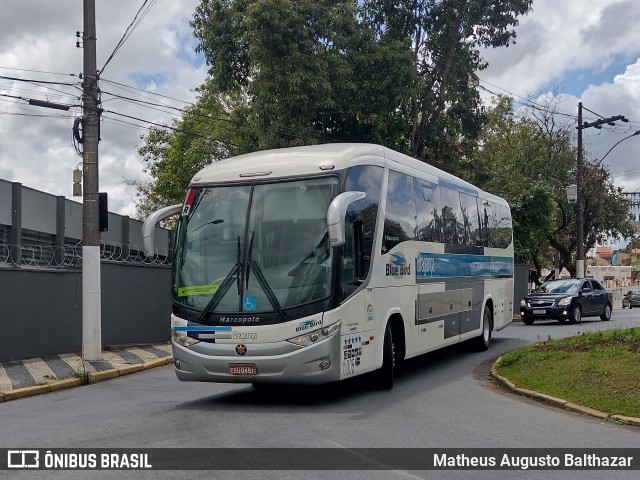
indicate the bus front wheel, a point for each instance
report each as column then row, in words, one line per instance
column 384, row 376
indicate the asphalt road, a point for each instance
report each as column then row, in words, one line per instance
column 441, row 400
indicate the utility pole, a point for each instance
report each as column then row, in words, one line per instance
column 91, row 291
column 580, row 187
column 580, row 202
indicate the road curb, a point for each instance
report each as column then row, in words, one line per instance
column 557, row 402
column 90, row 377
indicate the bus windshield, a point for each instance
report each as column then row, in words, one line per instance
column 254, row 248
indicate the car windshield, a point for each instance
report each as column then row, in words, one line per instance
column 559, row 286
column 258, row 248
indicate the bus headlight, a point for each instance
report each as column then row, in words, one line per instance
column 523, row 303
column 178, row 333
column 564, row 302
column 183, row 339
column 315, row 336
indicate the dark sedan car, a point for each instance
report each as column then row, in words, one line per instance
column 631, row 299
column 567, row 299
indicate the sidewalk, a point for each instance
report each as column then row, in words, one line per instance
column 24, row 378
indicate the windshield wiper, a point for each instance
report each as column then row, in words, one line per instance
column 273, row 300
column 251, row 265
column 224, row 287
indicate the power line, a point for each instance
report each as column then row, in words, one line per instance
column 37, row 82
column 130, row 29
column 226, row 144
column 38, row 71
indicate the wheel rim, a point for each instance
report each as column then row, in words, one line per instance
column 486, row 332
column 607, row 312
column 577, row 315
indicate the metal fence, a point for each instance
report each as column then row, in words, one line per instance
column 49, row 256
column 38, row 230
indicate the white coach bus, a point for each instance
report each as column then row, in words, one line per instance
column 315, row 264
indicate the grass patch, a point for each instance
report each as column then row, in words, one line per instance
column 600, row 370
column 84, row 375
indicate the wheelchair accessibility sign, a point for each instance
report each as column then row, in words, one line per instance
column 249, row 303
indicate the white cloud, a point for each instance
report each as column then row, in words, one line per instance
column 581, row 50
column 39, row 35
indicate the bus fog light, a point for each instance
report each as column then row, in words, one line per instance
column 314, row 336
column 325, row 364
column 177, row 364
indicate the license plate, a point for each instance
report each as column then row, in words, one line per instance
column 539, row 312
column 243, row 369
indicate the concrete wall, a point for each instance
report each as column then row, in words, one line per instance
column 520, row 286
column 41, row 310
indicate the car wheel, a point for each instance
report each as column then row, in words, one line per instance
column 528, row 320
column 483, row 341
column 606, row 315
column 576, row 315
column 384, row 376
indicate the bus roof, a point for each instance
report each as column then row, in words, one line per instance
column 314, row 159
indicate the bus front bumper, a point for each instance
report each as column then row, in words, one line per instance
column 318, row 363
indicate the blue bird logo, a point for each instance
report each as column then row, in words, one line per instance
column 398, row 259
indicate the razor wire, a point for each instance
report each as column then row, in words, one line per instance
column 70, row 256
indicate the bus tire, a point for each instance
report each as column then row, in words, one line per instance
column 483, row 341
column 384, row 376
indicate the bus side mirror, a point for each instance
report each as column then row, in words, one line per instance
column 336, row 214
column 149, row 226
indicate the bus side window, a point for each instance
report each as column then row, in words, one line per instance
column 428, row 209
column 400, row 223
column 360, row 226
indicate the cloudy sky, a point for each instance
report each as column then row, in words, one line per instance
column 585, row 50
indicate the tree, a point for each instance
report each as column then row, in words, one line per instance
column 529, row 158
column 444, row 37
column 397, row 73
column 518, row 162
column 204, row 134
column 310, row 71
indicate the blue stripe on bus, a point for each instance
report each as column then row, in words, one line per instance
column 201, row 328
column 437, row 265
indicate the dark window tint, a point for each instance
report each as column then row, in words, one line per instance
column 452, row 224
column 470, row 221
column 400, row 218
column 496, row 224
column 361, row 223
column 429, row 215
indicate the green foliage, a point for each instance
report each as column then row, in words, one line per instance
column 529, row 158
column 401, row 74
column 206, row 133
column 598, row 369
column 311, row 72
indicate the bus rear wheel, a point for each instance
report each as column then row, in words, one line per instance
column 384, row 376
column 483, row 341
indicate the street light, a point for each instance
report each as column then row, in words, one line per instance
column 620, row 141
